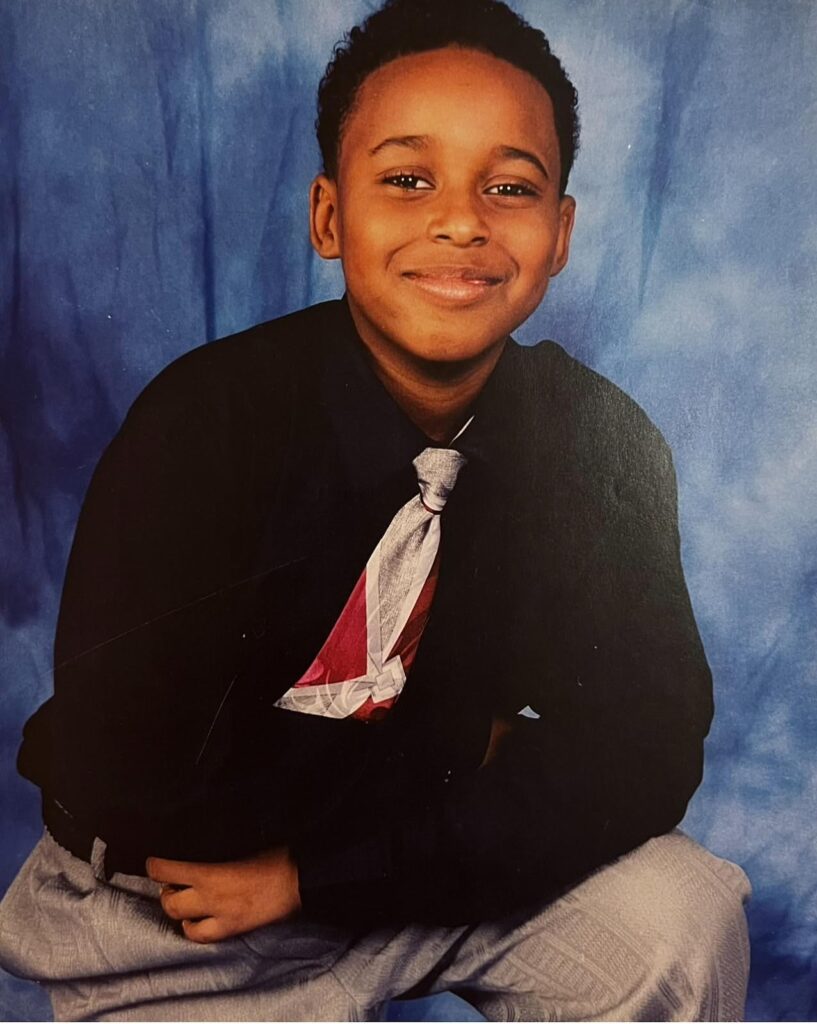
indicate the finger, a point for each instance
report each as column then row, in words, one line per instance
column 176, row 872
column 208, row 930
column 183, row 903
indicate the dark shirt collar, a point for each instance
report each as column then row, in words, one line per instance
column 377, row 439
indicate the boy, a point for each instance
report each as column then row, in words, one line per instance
column 374, row 645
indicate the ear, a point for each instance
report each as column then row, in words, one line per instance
column 323, row 217
column 567, row 216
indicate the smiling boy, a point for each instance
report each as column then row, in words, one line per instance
column 375, row 649
column 448, row 234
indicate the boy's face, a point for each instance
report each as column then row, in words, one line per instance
column 446, row 211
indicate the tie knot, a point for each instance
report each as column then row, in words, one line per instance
column 437, row 470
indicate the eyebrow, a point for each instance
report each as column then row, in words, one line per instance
column 514, row 153
column 411, row 141
column 421, row 142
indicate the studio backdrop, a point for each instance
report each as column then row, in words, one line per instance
column 155, row 157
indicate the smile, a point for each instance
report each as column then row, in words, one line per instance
column 453, row 284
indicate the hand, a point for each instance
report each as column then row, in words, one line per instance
column 216, row 901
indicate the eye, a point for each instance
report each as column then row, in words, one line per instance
column 408, row 182
column 509, row 188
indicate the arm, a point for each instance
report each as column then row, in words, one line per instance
column 155, row 600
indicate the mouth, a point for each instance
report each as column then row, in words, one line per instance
column 454, row 284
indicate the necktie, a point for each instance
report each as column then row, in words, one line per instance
column 362, row 666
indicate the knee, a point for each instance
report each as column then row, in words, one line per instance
column 688, row 892
column 689, row 904
column 658, row 935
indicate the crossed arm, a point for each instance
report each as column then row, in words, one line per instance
column 216, row 901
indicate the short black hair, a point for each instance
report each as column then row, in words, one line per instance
column 402, row 27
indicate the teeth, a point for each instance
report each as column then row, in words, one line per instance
column 452, row 287
column 454, row 275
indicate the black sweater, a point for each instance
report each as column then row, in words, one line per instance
column 222, row 533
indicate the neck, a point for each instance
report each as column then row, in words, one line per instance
column 436, row 396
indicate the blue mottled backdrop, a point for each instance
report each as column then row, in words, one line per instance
column 154, row 163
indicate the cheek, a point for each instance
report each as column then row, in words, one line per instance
column 376, row 236
column 530, row 241
column 535, row 245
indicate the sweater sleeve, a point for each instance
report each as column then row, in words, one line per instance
column 150, row 626
column 611, row 762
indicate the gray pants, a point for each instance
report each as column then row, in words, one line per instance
column 658, row 935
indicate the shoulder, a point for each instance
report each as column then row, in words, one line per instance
column 597, row 435
column 252, row 370
column 227, row 405
column 590, row 409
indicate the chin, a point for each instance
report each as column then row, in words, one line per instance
column 455, row 336
column 460, row 339
column 447, row 348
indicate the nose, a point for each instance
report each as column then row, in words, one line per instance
column 457, row 218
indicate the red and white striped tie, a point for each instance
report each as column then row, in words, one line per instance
column 362, row 667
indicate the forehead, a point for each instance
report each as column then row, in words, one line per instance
column 458, row 97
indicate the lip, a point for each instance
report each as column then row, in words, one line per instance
column 454, row 284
